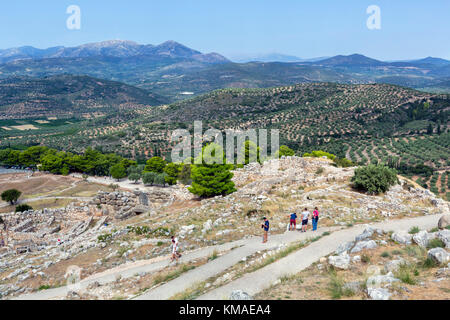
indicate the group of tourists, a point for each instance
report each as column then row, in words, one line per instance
column 305, row 216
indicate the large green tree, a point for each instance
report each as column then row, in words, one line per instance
column 173, row 171
column 209, row 176
column 11, row 196
column 118, row 171
column 374, row 179
column 155, row 164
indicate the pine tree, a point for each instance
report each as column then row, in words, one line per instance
column 210, row 178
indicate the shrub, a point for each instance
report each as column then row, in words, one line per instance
column 23, row 208
column 105, row 237
column 335, row 287
column 415, row 251
column 374, row 179
column 134, row 177
column 435, row 243
column 365, row 258
column 320, row 154
column 344, row 162
column 428, row 263
column 114, row 186
column 44, row 287
column 320, row 171
column 139, row 230
column 407, row 273
column 414, row 230
column 160, row 179
column 285, row 151
column 149, row 177
column 11, row 196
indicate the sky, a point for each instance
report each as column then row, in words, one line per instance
column 409, row 29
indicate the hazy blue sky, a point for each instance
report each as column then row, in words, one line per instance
column 409, row 29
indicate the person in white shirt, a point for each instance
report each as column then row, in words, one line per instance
column 305, row 216
column 175, row 254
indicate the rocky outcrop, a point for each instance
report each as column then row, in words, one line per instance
column 341, row 261
column 444, row 221
column 402, row 237
column 240, row 295
column 439, row 255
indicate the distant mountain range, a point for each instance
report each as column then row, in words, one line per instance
column 271, row 57
column 170, row 69
column 112, row 48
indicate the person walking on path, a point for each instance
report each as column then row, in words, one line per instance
column 305, row 216
column 175, row 254
column 315, row 219
column 265, row 226
column 293, row 222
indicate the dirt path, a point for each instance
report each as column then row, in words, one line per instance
column 123, row 184
column 222, row 263
column 263, row 278
column 84, row 199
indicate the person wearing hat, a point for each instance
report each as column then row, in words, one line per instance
column 265, row 226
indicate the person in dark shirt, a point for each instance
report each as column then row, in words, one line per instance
column 265, row 226
column 293, row 222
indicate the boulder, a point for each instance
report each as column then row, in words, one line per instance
column 143, row 199
column 365, row 235
column 379, row 280
column 421, row 238
column 373, row 270
column 361, row 245
column 439, row 255
column 402, row 237
column 240, row 295
column 444, row 236
column 394, row 265
column 378, row 293
column 186, row 230
column 444, row 221
column 354, row 286
column 207, row 226
column 344, row 247
column 341, row 261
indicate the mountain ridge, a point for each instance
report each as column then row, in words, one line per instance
column 109, row 48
